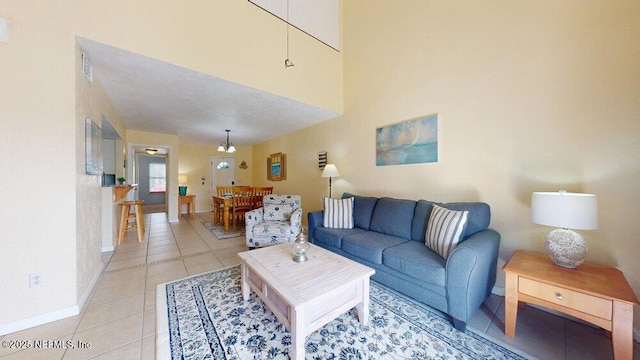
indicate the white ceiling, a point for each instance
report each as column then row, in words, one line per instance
column 154, row 96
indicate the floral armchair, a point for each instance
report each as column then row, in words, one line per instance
column 278, row 221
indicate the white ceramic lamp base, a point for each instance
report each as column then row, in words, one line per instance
column 566, row 248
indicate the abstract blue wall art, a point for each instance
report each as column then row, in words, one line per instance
column 409, row 142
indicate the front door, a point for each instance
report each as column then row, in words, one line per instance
column 223, row 172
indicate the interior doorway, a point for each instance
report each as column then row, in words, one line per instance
column 152, row 182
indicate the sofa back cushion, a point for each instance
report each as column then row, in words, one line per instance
column 393, row 217
column 478, row 220
column 362, row 209
column 420, row 220
column 479, row 215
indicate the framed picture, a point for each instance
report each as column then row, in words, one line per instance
column 93, row 139
column 408, row 142
column 276, row 167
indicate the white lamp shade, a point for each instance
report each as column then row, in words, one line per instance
column 565, row 210
column 182, row 179
column 330, row 170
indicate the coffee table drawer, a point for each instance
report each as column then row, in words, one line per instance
column 585, row 303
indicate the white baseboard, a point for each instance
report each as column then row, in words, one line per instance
column 14, row 326
column 108, row 248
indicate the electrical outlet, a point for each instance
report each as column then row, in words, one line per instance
column 36, row 280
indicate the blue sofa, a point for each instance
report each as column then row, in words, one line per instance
column 389, row 236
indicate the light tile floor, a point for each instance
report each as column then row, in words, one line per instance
column 118, row 321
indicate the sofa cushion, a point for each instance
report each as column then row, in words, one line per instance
column 420, row 220
column 417, row 261
column 369, row 245
column 479, row 215
column 445, row 229
column 338, row 213
column 362, row 209
column 333, row 237
column 393, row 217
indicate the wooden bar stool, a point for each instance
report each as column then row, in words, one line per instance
column 126, row 214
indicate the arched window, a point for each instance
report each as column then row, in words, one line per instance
column 223, row 165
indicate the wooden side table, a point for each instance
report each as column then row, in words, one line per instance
column 190, row 200
column 598, row 294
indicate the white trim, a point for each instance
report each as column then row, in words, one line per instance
column 11, row 327
column 108, row 248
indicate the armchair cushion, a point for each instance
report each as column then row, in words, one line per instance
column 277, row 212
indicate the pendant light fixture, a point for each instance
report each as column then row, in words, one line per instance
column 287, row 62
column 228, row 147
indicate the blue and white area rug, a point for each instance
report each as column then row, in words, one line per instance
column 204, row 317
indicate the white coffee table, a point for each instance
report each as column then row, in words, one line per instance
column 305, row 296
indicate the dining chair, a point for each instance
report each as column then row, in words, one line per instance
column 224, row 191
column 259, row 193
column 221, row 191
column 242, row 203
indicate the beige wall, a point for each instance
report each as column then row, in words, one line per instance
column 91, row 103
column 38, row 177
column 41, row 121
column 530, row 96
column 233, row 40
column 194, row 162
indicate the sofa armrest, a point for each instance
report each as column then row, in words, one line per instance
column 471, row 273
column 314, row 220
column 251, row 219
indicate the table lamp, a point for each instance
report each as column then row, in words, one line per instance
column 566, row 211
column 330, row 171
column 182, row 185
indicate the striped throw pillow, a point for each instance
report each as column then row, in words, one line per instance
column 338, row 213
column 445, row 229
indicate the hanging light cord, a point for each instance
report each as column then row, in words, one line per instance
column 287, row 62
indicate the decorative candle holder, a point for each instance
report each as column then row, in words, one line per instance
column 300, row 248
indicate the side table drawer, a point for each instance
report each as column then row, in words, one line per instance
column 588, row 304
